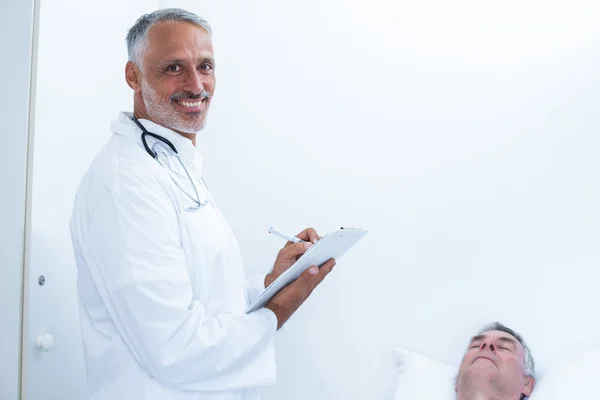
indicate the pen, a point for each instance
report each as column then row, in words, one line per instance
column 287, row 237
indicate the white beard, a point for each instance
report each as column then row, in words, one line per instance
column 166, row 115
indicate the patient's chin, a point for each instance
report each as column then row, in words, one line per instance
column 481, row 373
column 484, row 364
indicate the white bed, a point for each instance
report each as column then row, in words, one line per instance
column 420, row 378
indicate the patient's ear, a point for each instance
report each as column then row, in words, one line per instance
column 529, row 385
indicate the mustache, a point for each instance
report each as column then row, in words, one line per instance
column 189, row 95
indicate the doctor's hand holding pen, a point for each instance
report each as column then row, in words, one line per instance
column 290, row 298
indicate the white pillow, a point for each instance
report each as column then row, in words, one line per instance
column 576, row 378
column 423, row 378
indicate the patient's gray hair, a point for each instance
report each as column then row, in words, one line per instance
column 138, row 34
column 529, row 362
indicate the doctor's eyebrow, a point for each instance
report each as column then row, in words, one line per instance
column 171, row 61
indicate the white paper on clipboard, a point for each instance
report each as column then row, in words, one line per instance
column 332, row 245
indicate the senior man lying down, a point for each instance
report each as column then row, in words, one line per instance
column 497, row 366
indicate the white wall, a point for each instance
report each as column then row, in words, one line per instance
column 81, row 88
column 16, row 26
column 462, row 135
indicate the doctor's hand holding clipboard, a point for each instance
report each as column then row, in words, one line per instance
column 300, row 267
column 290, row 298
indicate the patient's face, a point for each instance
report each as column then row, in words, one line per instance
column 495, row 361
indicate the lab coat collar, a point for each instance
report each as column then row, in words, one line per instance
column 127, row 127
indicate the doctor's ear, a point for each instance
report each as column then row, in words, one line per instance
column 133, row 76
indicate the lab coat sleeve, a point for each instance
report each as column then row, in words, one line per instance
column 255, row 286
column 138, row 265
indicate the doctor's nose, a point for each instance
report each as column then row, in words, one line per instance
column 194, row 82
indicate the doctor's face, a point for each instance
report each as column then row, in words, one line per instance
column 177, row 76
column 495, row 360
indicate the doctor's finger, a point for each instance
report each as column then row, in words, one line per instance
column 327, row 267
column 293, row 250
column 309, row 235
column 314, row 275
column 324, row 270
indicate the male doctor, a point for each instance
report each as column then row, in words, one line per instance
column 162, row 290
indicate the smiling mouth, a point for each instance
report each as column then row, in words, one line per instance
column 191, row 104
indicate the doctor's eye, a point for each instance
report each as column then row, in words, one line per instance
column 206, row 67
column 174, row 68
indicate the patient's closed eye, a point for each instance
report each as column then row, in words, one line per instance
column 507, row 344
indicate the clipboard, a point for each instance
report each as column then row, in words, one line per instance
column 333, row 245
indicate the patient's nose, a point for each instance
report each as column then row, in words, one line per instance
column 489, row 344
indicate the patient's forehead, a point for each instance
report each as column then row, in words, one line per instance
column 495, row 334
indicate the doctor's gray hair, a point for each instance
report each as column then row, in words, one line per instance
column 529, row 362
column 138, row 34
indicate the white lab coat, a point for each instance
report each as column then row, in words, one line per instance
column 162, row 290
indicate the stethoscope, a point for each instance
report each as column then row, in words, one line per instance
column 153, row 154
